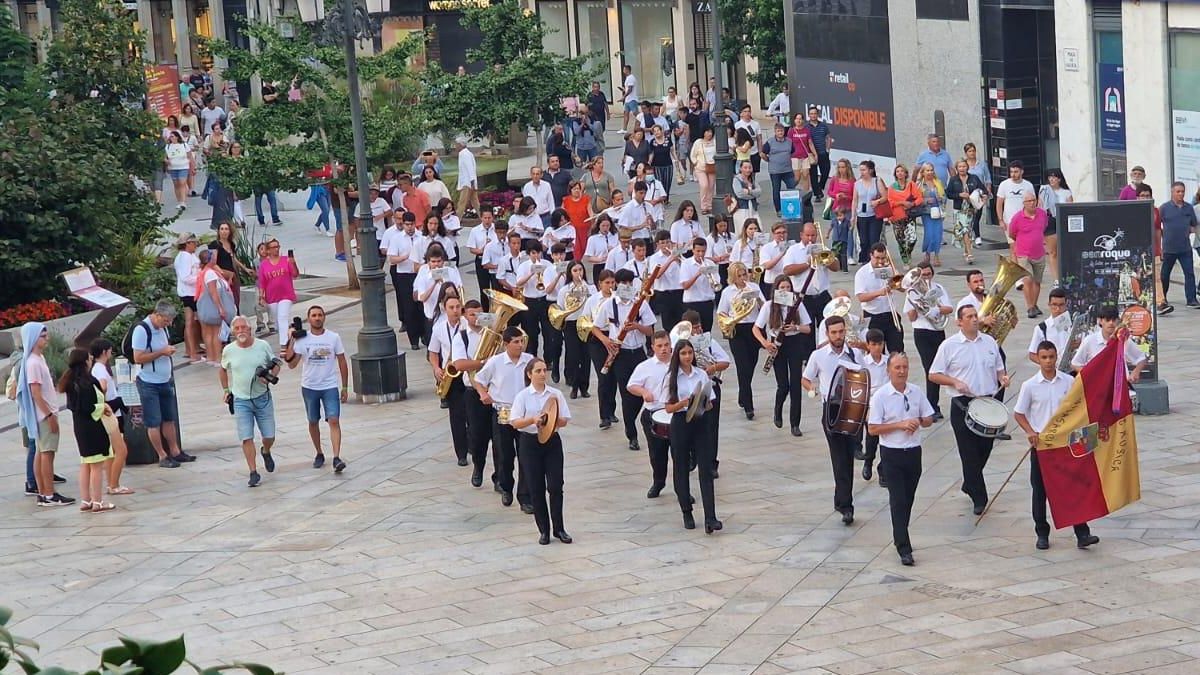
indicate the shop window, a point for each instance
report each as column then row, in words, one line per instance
column 591, row 33
column 554, row 17
column 1185, row 108
column 949, row 10
column 648, row 45
column 856, row 32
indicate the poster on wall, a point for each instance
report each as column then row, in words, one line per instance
column 1185, row 132
column 1106, row 251
column 1112, row 106
column 162, row 90
column 855, row 100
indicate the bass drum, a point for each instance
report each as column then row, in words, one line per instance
column 846, row 409
column 660, row 424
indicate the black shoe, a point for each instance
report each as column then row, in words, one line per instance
column 713, row 525
column 906, row 559
column 338, row 465
column 689, row 522
column 605, row 424
column 59, row 479
column 319, row 460
column 506, row 498
column 1165, row 309
column 462, row 461
column 614, row 419
column 860, row 455
column 544, row 539
column 866, row 472
column 496, row 487
column 778, row 420
column 554, row 376
column 796, row 431
column 978, row 509
column 562, row 536
column 1084, row 542
column 444, row 404
column 184, row 457
column 1003, row 436
column 848, row 517
column 63, row 501
column 414, row 346
column 716, row 474
column 574, row 393
column 633, row 444
column 477, row 477
column 937, row 416
column 749, row 414
column 1043, row 543
column 653, row 493
column 1194, row 305
column 168, row 463
column 31, row 489
column 584, row 393
column 254, row 479
column 527, row 509
column 268, row 460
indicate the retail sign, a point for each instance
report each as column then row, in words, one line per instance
column 1111, row 83
column 1185, row 135
column 1070, row 59
column 162, row 90
column 456, row 5
column 702, row 7
column 855, row 100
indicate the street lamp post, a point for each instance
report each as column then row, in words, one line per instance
column 378, row 369
column 720, row 123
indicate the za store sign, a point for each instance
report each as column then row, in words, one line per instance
column 855, row 99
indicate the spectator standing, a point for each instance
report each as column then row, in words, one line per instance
column 804, row 153
column 935, row 154
column 152, row 350
column 1054, row 193
column 323, row 382
column 933, row 216
column 822, row 143
column 959, row 190
column 275, row 275
column 870, row 202
column 431, row 184
column 559, row 180
column 542, row 195
column 1178, row 221
column 415, row 201
column 248, row 393
column 978, row 168
column 704, row 167
column 780, row 106
column 597, row 105
column 754, row 129
column 210, row 114
column 629, row 92
column 468, row 181
column 102, row 353
column 38, row 404
column 215, row 307
column 180, row 162
column 1010, row 196
column 187, row 269
column 1137, row 176
column 1027, row 228
column 88, row 411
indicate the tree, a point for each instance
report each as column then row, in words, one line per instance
column 755, row 28
column 74, row 139
column 520, row 82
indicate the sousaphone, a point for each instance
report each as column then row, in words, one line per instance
column 547, row 423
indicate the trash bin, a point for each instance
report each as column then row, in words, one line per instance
column 137, row 439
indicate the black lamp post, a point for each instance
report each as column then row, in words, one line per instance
column 720, row 123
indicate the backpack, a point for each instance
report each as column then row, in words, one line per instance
column 10, row 387
column 127, row 341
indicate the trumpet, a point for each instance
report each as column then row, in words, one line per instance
column 541, row 283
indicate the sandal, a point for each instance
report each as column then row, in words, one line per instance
column 97, row 507
column 120, row 490
column 85, row 506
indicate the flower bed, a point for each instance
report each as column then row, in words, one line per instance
column 500, row 198
column 42, row 310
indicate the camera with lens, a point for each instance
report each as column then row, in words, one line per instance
column 297, row 330
column 264, row 371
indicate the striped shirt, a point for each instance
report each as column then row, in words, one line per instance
column 820, row 133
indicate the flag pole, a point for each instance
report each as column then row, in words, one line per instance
column 997, row 495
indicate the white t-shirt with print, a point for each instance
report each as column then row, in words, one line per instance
column 319, row 354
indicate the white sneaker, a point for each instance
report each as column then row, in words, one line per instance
column 853, row 263
column 978, row 241
column 330, row 234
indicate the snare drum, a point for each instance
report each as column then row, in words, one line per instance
column 986, row 417
column 660, row 424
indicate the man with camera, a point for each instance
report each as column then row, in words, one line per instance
column 320, row 384
column 248, row 368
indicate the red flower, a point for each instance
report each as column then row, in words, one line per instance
column 42, row 310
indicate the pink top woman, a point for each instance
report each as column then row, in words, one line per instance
column 275, row 277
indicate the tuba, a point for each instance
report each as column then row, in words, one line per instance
column 995, row 305
column 506, row 308
column 743, row 304
column 575, row 299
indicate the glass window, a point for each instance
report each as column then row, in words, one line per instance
column 843, row 31
column 1185, row 108
column 554, row 16
column 591, row 32
column 953, row 10
column 648, row 45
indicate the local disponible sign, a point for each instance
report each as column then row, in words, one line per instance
column 855, row 99
column 1106, row 251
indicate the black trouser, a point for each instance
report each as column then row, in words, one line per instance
column 815, row 306
column 927, row 342
column 714, row 423
column 597, row 268
column 841, row 456
column 901, row 468
column 704, row 308
column 659, row 450
column 893, row 335
column 745, row 360
column 542, row 472
column 870, row 230
column 818, row 173
column 870, row 446
column 999, row 395
column 456, row 399
column 504, row 455
column 975, row 222
column 688, row 437
column 723, row 272
column 789, row 369
column 411, row 311
column 1040, row 525
column 575, row 372
column 670, row 309
column 973, row 451
column 606, row 384
column 537, row 321
column 627, row 360
column 479, row 430
column 484, row 277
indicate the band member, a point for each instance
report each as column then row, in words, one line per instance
column 977, row 292
column 856, row 330
column 822, row 366
column 441, row 345
column 1056, row 328
column 896, row 415
column 872, row 288
column 781, row 330
column 683, row 380
column 429, row 283
column 576, row 291
column 1037, row 401
column 720, row 246
column 561, row 231
column 526, row 222
column 745, row 246
column 606, row 383
column 743, row 344
column 639, row 265
column 536, row 278
column 487, row 242
column 667, row 301
column 612, row 317
column 1093, row 343
column 686, row 227
column 935, row 303
column 479, row 416
column 498, row 382
column 698, row 289
column 714, row 360
column 620, row 256
column 541, row 463
column 969, row 362
column 648, row 381
column 601, row 242
column 506, row 274
column 401, row 256
column 637, row 216
column 810, row 281
column 876, row 363
column 554, row 338
column 772, row 253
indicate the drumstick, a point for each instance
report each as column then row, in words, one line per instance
column 997, row 495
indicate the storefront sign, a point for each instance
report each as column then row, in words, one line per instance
column 162, row 90
column 456, row 5
column 1107, row 256
column 1112, row 106
column 1185, row 133
column 855, row 100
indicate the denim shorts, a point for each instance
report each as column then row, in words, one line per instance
column 331, row 399
column 631, row 106
column 178, row 174
column 158, row 403
column 248, row 412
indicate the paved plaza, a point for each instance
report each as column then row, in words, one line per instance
column 400, row 566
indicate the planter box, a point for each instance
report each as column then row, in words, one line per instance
column 68, row 327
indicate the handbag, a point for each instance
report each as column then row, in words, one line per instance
column 935, row 212
column 710, row 169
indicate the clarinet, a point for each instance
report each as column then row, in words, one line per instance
column 775, row 340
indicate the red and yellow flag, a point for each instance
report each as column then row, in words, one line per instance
column 1088, row 451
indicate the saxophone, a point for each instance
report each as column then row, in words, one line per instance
column 756, row 268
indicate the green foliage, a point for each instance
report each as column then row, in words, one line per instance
column 157, row 284
column 520, row 83
column 755, row 27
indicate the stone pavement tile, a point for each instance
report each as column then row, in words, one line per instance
column 1046, row 663
column 1114, row 648
column 812, row 659
column 510, row 667
column 1152, row 659
column 977, row 663
column 1001, row 607
column 974, row 643
column 1073, row 642
column 896, row 659
column 725, row 669
column 782, row 620
column 587, row 637
column 686, row 657
column 1051, row 628
column 597, row 664
column 1135, row 628
column 749, row 650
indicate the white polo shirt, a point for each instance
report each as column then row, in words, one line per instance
column 824, row 362
column 798, row 255
column 763, row 320
column 549, row 274
column 1039, row 398
column 506, row 271
column 529, row 401
column 503, row 377
column 1093, row 343
column 386, row 239
column 443, row 336
column 877, row 370
column 769, row 252
column 684, row 232
column 687, row 384
column 480, row 237
column 617, row 257
column 671, row 278
column 600, row 245
column 743, row 252
column 542, row 195
column 867, row 280
column 651, row 375
column 561, row 299
column 640, row 268
column 493, row 253
column 610, row 321
column 404, row 244
column 465, row 348
column 922, row 320
column 969, row 300
column 633, row 217
column 702, row 289
column 730, row 292
column 720, row 246
column 1056, row 329
column 889, row 405
column 425, row 281
column 975, row 362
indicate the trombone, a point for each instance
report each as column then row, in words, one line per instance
column 895, row 283
column 824, row 256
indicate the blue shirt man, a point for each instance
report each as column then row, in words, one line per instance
column 943, row 163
